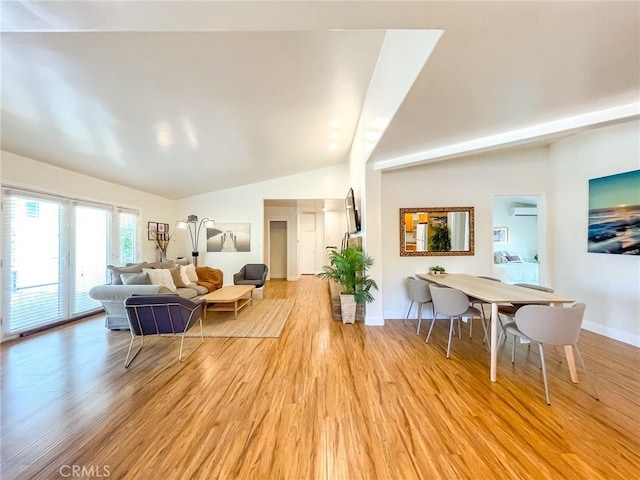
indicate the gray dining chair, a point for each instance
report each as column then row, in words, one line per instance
column 479, row 304
column 509, row 311
column 545, row 324
column 454, row 304
column 418, row 292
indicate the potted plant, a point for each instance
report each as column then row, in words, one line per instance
column 436, row 270
column 349, row 269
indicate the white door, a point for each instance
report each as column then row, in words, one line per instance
column 307, row 243
column 333, row 233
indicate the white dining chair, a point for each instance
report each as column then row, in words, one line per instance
column 418, row 292
column 554, row 326
column 454, row 304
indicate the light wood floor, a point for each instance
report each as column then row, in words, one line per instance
column 325, row 401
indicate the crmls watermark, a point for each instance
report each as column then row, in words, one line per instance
column 85, row 471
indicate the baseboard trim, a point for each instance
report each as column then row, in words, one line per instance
column 373, row 321
column 613, row 333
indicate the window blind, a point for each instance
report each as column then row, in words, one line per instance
column 33, row 269
column 90, row 253
column 55, row 250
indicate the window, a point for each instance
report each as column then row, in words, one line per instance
column 56, row 250
column 127, row 235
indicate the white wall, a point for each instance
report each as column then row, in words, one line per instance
column 402, row 57
column 608, row 284
column 241, row 204
column 463, row 182
column 246, row 204
column 24, row 172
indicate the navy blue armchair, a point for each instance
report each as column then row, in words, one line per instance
column 161, row 314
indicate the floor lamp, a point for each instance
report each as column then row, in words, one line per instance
column 191, row 223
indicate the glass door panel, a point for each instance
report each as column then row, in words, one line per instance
column 36, row 286
column 91, row 253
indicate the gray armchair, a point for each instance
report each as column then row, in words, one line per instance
column 251, row 274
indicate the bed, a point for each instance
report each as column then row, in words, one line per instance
column 509, row 267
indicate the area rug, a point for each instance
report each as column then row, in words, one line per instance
column 265, row 318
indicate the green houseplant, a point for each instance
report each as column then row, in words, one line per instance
column 436, row 270
column 440, row 240
column 349, row 269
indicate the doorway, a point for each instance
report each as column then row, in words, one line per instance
column 519, row 239
column 277, row 249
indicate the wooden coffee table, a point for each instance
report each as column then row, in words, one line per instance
column 229, row 299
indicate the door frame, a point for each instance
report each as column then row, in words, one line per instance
column 286, row 222
column 544, row 247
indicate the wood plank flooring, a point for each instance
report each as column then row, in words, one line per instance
column 324, row 401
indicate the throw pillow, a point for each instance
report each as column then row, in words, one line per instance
column 176, row 277
column 499, row 257
column 165, row 264
column 135, row 278
column 514, row 259
column 160, row 276
column 183, row 275
column 182, row 261
column 191, row 273
column 116, row 271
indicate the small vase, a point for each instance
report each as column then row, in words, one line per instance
column 163, row 256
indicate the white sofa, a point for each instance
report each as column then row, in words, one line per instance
column 112, row 295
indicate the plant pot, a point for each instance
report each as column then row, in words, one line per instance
column 348, row 308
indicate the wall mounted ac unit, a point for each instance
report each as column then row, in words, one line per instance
column 524, row 211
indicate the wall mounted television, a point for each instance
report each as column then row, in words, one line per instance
column 353, row 218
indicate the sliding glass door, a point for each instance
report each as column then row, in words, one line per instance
column 35, row 243
column 92, row 251
column 56, row 250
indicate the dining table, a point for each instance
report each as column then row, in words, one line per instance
column 496, row 293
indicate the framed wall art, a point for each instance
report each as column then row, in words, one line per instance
column 614, row 214
column 152, row 230
column 500, row 235
column 229, row 237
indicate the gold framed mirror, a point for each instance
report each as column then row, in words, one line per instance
column 436, row 231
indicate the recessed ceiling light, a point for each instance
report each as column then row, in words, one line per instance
column 333, row 146
column 336, row 124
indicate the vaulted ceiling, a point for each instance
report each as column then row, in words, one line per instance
column 181, row 98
